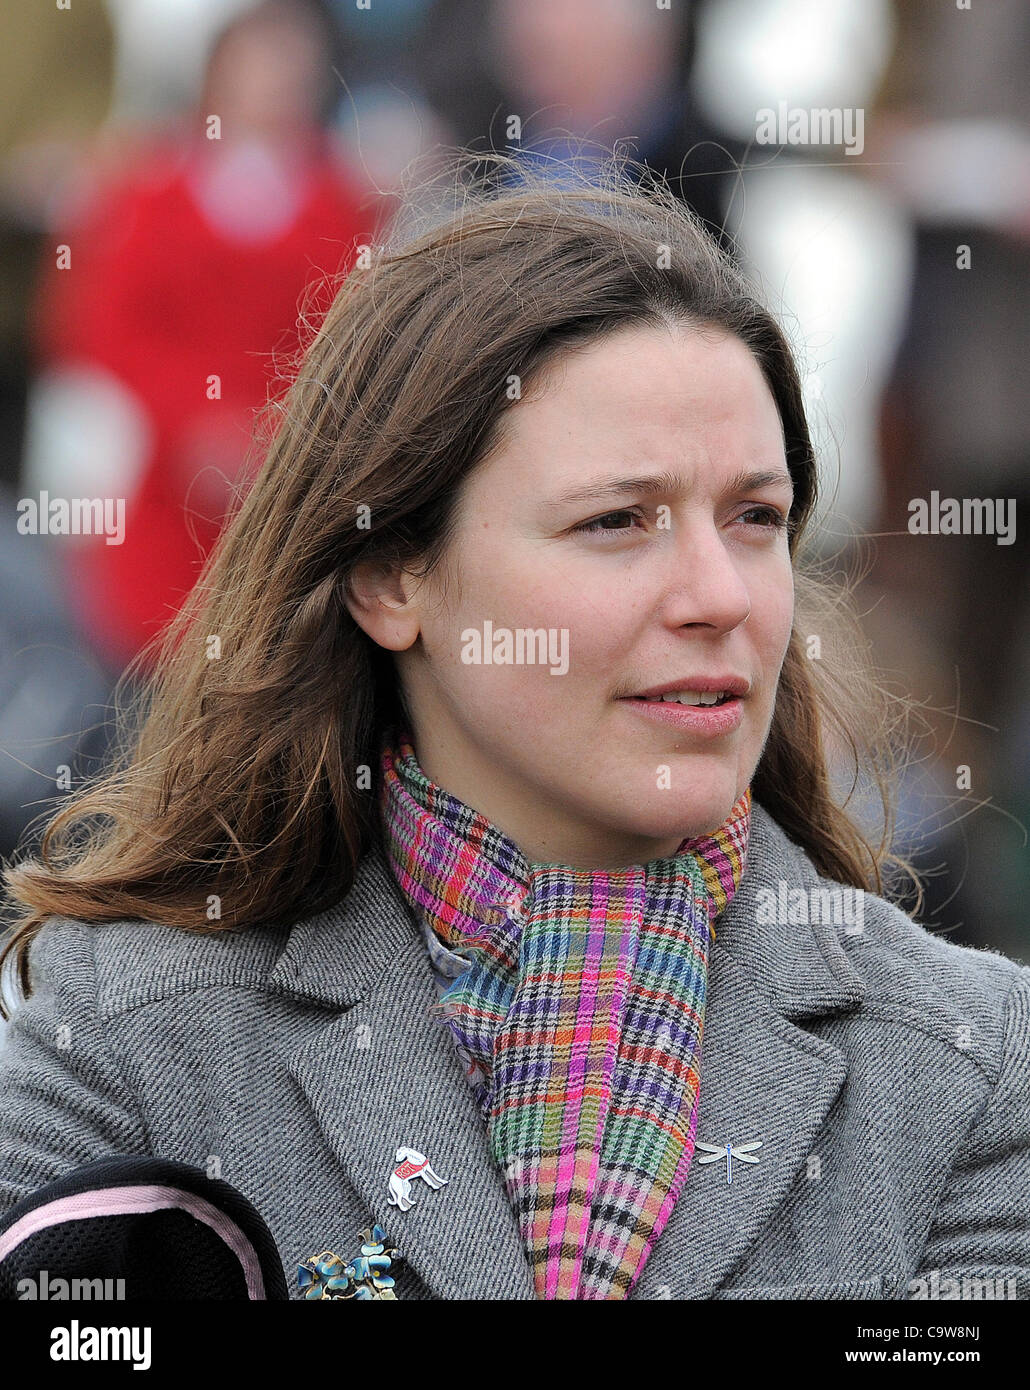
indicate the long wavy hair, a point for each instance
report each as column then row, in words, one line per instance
column 248, row 764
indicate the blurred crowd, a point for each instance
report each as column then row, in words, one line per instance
column 178, row 177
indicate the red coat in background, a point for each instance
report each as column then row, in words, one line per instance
column 191, row 267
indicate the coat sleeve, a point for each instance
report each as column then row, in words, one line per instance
column 63, row 1099
column 981, row 1229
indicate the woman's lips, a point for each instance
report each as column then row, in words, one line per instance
column 708, row 720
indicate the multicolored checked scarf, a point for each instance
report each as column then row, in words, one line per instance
column 583, row 1010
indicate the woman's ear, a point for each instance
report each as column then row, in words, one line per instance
column 381, row 600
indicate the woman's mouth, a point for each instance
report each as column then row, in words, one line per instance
column 707, row 712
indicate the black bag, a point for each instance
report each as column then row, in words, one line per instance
column 138, row 1228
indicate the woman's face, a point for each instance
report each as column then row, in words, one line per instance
column 667, row 570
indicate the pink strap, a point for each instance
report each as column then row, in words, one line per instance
column 120, row 1201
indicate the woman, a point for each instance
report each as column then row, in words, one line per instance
column 497, row 691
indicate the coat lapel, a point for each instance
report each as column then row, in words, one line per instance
column 380, row 1075
column 762, row 1077
column 383, row 1074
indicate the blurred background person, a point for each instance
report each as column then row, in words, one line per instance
column 569, row 80
column 162, row 333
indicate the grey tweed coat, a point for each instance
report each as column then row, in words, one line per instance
column 885, row 1072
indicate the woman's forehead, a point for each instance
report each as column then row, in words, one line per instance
column 643, row 404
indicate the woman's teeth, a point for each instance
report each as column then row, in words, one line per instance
column 694, row 697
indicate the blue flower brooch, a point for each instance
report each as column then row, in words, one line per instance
column 365, row 1276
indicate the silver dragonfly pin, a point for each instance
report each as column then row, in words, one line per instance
column 742, row 1152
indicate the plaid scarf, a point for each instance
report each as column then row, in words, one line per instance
column 582, row 1014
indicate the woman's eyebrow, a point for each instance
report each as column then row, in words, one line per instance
column 666, row 482
column 745, row 481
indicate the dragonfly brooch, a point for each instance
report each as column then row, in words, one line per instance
column 741, row 1152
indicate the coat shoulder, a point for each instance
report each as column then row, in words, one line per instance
column 920, row 968
column 914, row 975
column 880, row 932
column 892, row 944
column 135, row 962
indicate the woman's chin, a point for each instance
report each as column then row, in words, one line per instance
column 699, row 818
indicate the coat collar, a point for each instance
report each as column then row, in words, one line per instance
column 379, row 1075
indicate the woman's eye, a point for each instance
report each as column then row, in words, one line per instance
column 765, row 518
column 768, row 517
column 598, row 527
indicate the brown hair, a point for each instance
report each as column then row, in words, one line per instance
column 242, row 780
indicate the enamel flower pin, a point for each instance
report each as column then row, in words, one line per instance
column 365, row 1276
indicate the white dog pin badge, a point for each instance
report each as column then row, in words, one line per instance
column 410, row 1165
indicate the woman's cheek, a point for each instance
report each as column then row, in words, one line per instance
column 780, row 614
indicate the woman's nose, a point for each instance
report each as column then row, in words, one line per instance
column 703, row 584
